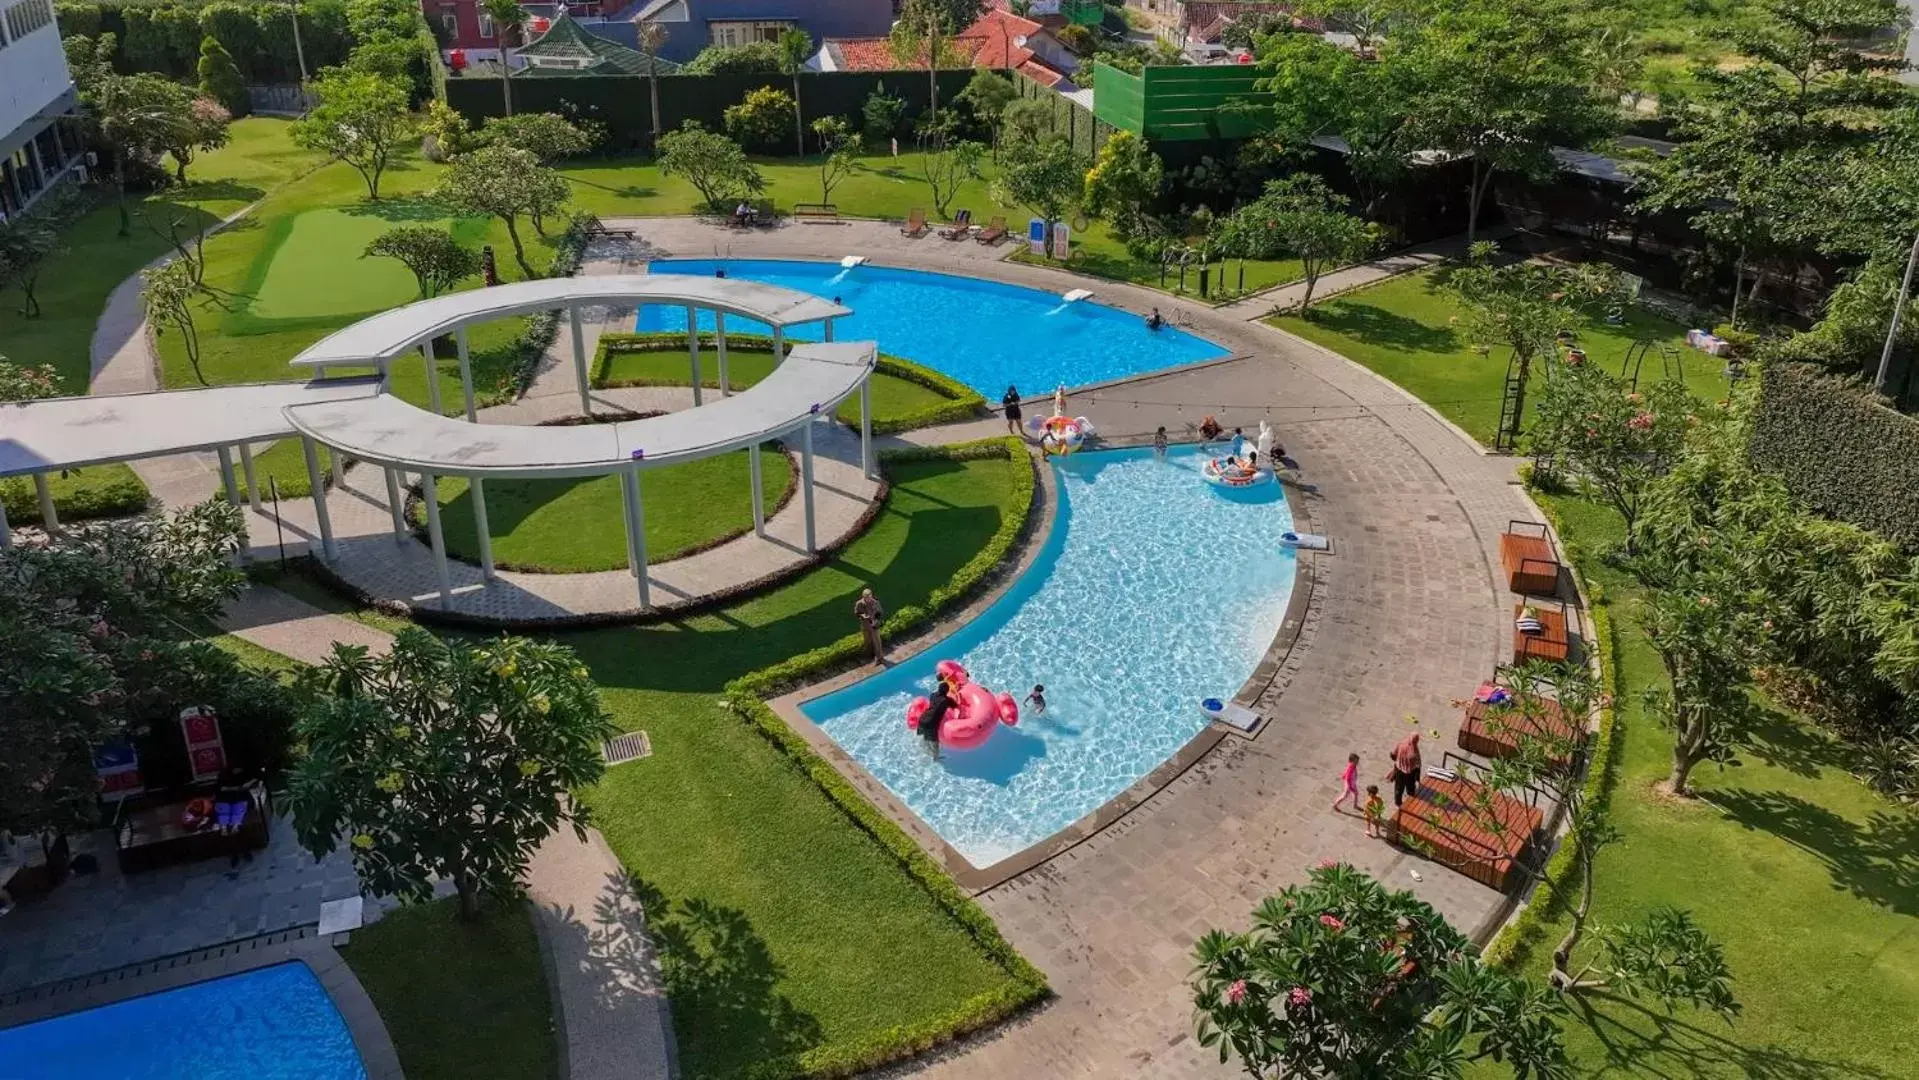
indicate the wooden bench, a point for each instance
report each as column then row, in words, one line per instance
column 595, row 228
column 149, row 832
column 1485, row 835
column 1531, row 567
column 1554, row 641
column 1493, row 732
column 816, row 213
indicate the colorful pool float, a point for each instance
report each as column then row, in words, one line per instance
column 1230, row 473
column 976, row 711
column 1060, row 434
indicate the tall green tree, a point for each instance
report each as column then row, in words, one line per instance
column 1320, row 91
column 27, row 243
column 652, row 38
column 509, row 18
column 436, row 260
column 795, row 47
column 986, row 95
column 446, row 760
column 839, row 152
column 1298, row 216
column 504, row 182
column 714, row 164
column 361, row 119
column 1610, row 439
column 1121, row 188
column 206, row 126
column 924, row 32
column 1047, row 177
column 135, row 116
column 220, row 79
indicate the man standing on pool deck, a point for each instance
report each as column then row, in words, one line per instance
column 1011, row 402
column 1406, row 766
column 868, row 611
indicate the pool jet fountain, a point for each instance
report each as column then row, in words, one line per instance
column 846, row 267
column 1069, row 298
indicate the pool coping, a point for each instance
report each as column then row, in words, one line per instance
column 370, row 1038
column 978, row 879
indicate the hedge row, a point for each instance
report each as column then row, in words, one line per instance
column 746, row 697
column 1839, row 450
column 543, row 327
column 164, row 38
column 963, row 402
column 101, row 491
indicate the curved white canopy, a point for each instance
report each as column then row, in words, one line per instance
column 387, row 431
column 392, row 333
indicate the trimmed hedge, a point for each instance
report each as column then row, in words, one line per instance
column 963, row 402
column 1839, row 450
column 98, row 491
column 746, row 697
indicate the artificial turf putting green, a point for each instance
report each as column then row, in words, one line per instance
column 573, row 526
column 313, row 264
column 893, row 397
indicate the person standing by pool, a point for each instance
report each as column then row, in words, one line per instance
column 1010, row 400
column 1406, row 768
column 1159, row 442
column 868, row 611
column 1349, row 782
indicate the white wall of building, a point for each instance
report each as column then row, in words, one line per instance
column 33, row 70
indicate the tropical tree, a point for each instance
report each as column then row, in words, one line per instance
column 220, row 79
column 880, row 114
column 361, row 119
column 1609, row 438
column 795, row 46
column 1121, row 187
column 135, row 116
column 1298, row 216
column 986, row 96
column 714, row 164
column 839, row 152
column 446, row 760
column 752, row 58
column 508, row 17
column 924, row 32
column 505, row 182
column 436, row 260
column 1706, row 623
column 549, row 137
column 652, row 38
column 1320, row 90
column 204, row 127
column 21, row 383
column 166, row 296
column 1047, row 177
column 27, row 242
column 1343, row 978
column 759, row 119
column 947, row 161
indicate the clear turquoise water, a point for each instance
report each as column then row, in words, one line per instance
column 1152, row 592
column 985, row 334
column 276, row 1023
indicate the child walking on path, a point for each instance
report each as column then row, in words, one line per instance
column 1349, row 782
column 1375, row 812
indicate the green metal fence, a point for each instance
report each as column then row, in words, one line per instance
column 1085, row 131
column 1183, row 104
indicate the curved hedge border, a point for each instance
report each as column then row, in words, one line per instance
column 746, row 696
column 115, row 491
column 1517, row 939
column 963, row 402
column 1839, row 450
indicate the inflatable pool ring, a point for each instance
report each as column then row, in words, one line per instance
column 1230, row 473
column 975, row 712
column 1060, row 434
column 196, row 814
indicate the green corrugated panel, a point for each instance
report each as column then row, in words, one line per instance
column 1183, row 103
column 1119, row 98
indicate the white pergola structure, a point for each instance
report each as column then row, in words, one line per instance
column 808, row 380
column 42, row 437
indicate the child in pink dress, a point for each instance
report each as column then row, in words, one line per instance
column 1349, row 782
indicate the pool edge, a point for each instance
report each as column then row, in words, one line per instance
column 978, row 879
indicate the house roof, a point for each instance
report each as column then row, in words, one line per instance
column 993, row 41
column 876, row 54
column 1198, row 14
column 572, row 50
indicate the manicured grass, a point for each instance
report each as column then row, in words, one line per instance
column 80, row 494
column 893, row 397
column 1096, row 252
column 1402, row 329
column 568, row 526
column 783, row 927
column 1808, row 878
column 460, row 999
column 316, row 265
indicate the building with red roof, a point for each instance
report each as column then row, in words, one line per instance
column 999, row 39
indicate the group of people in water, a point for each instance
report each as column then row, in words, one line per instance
column 944, row 699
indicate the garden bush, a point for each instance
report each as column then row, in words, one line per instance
column 102, row 491
column 1839, row 451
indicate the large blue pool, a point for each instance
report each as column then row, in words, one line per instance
column 276, row 1023
column 985, row 334
column 1152, row 592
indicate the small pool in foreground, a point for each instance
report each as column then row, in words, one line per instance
column 1152, row 592
column 276, row 1023
column 983, row 333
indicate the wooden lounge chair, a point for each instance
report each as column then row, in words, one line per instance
column 915, row 223
column 962, row 225
column 1554, row 641
column 1485, row 835
column 994, row 231
column 1526, row 554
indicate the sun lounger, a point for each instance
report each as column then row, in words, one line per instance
column 962, row 224
column 915, row 223
column 994, row 231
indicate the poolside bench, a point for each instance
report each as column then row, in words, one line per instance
column 816, row 213
column 1492, row 732
column 148, row 831
column 1484, row 834
column 1527, row 557
column 596, row 229
column 1554, row 641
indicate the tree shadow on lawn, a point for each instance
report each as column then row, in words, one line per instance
column 199, row 191
column 1797, row 748
column 1634, row 1035
column 722, row 981
column 626, row 191
column 408, row 208
column 1876, row 860
column 1381, row 328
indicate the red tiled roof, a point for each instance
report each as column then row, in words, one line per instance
column 992, row 41
column 1000, row 31
column 876, row 54
column 1203, row 13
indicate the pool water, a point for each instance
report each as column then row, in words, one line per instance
column 276, row 1023
column 983, row 333
column 1152, row 592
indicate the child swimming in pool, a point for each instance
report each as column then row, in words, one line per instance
column 1037, row 700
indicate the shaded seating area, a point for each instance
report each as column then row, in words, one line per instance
column 1526, row 555
column 155, row 830
column 1553, row 640
column 1464, row 825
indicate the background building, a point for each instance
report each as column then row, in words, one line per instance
column 35, row 92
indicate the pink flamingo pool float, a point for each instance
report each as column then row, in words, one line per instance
column 976, row 711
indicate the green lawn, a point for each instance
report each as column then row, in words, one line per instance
column 1096, row 252
column 1808, row 878
column 1402, row 329
column 893, row 397
column 569, row 526
column 782, row 926
column 314, row 265
column 460, row 999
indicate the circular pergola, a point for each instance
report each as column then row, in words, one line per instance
column 808, row 381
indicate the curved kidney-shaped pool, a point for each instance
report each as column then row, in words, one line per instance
column 1152, row 592
column 985, row 334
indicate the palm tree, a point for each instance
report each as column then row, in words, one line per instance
column 795, row 46
column 652, row 36
column 507, row 19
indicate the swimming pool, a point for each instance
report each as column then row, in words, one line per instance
column 1152, row 592
column 985, row 334
column 276, row 1023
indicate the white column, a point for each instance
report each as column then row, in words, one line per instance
column 482, row 531
column 227, row 483
column 432, row 375
column 246, row 469
column 779, row 345
column 395, row 505
column 693, row 349
column 719, row 337
column 829, row 329
column 319, row 496
column 48, row 516
column 806, row 477
column 753, row 481
column 636, row 533
column 6, row 531
column 430, row 491
column 579, row 360
column 866, row 426
column 466, row 374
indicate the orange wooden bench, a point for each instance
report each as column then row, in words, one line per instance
column 1531, row 567
column 1446, row 822
column 1492, row 733
column 1552, row 643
